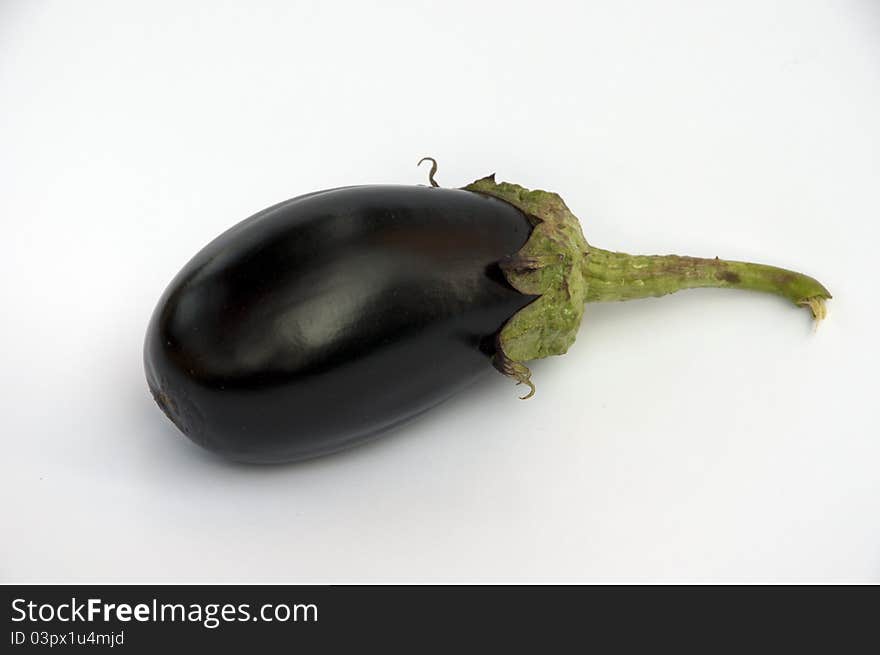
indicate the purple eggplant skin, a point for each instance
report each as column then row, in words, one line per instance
column 320, row 322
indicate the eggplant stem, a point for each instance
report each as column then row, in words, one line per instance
column 817, row 306
column 620, row 276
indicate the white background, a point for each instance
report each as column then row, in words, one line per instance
column 707, row 436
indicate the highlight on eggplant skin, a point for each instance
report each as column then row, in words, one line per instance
column 328, row 318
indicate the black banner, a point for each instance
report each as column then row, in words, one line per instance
column 149, row 618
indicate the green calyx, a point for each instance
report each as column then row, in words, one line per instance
column 565, row 272
column 549, row 265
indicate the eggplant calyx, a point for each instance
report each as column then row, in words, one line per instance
column 550, row 266
column 432, row 172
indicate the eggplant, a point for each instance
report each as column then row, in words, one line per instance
column 327, row 319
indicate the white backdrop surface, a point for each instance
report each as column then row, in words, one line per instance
column 710, row 436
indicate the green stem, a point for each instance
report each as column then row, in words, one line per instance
column 619, row 276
